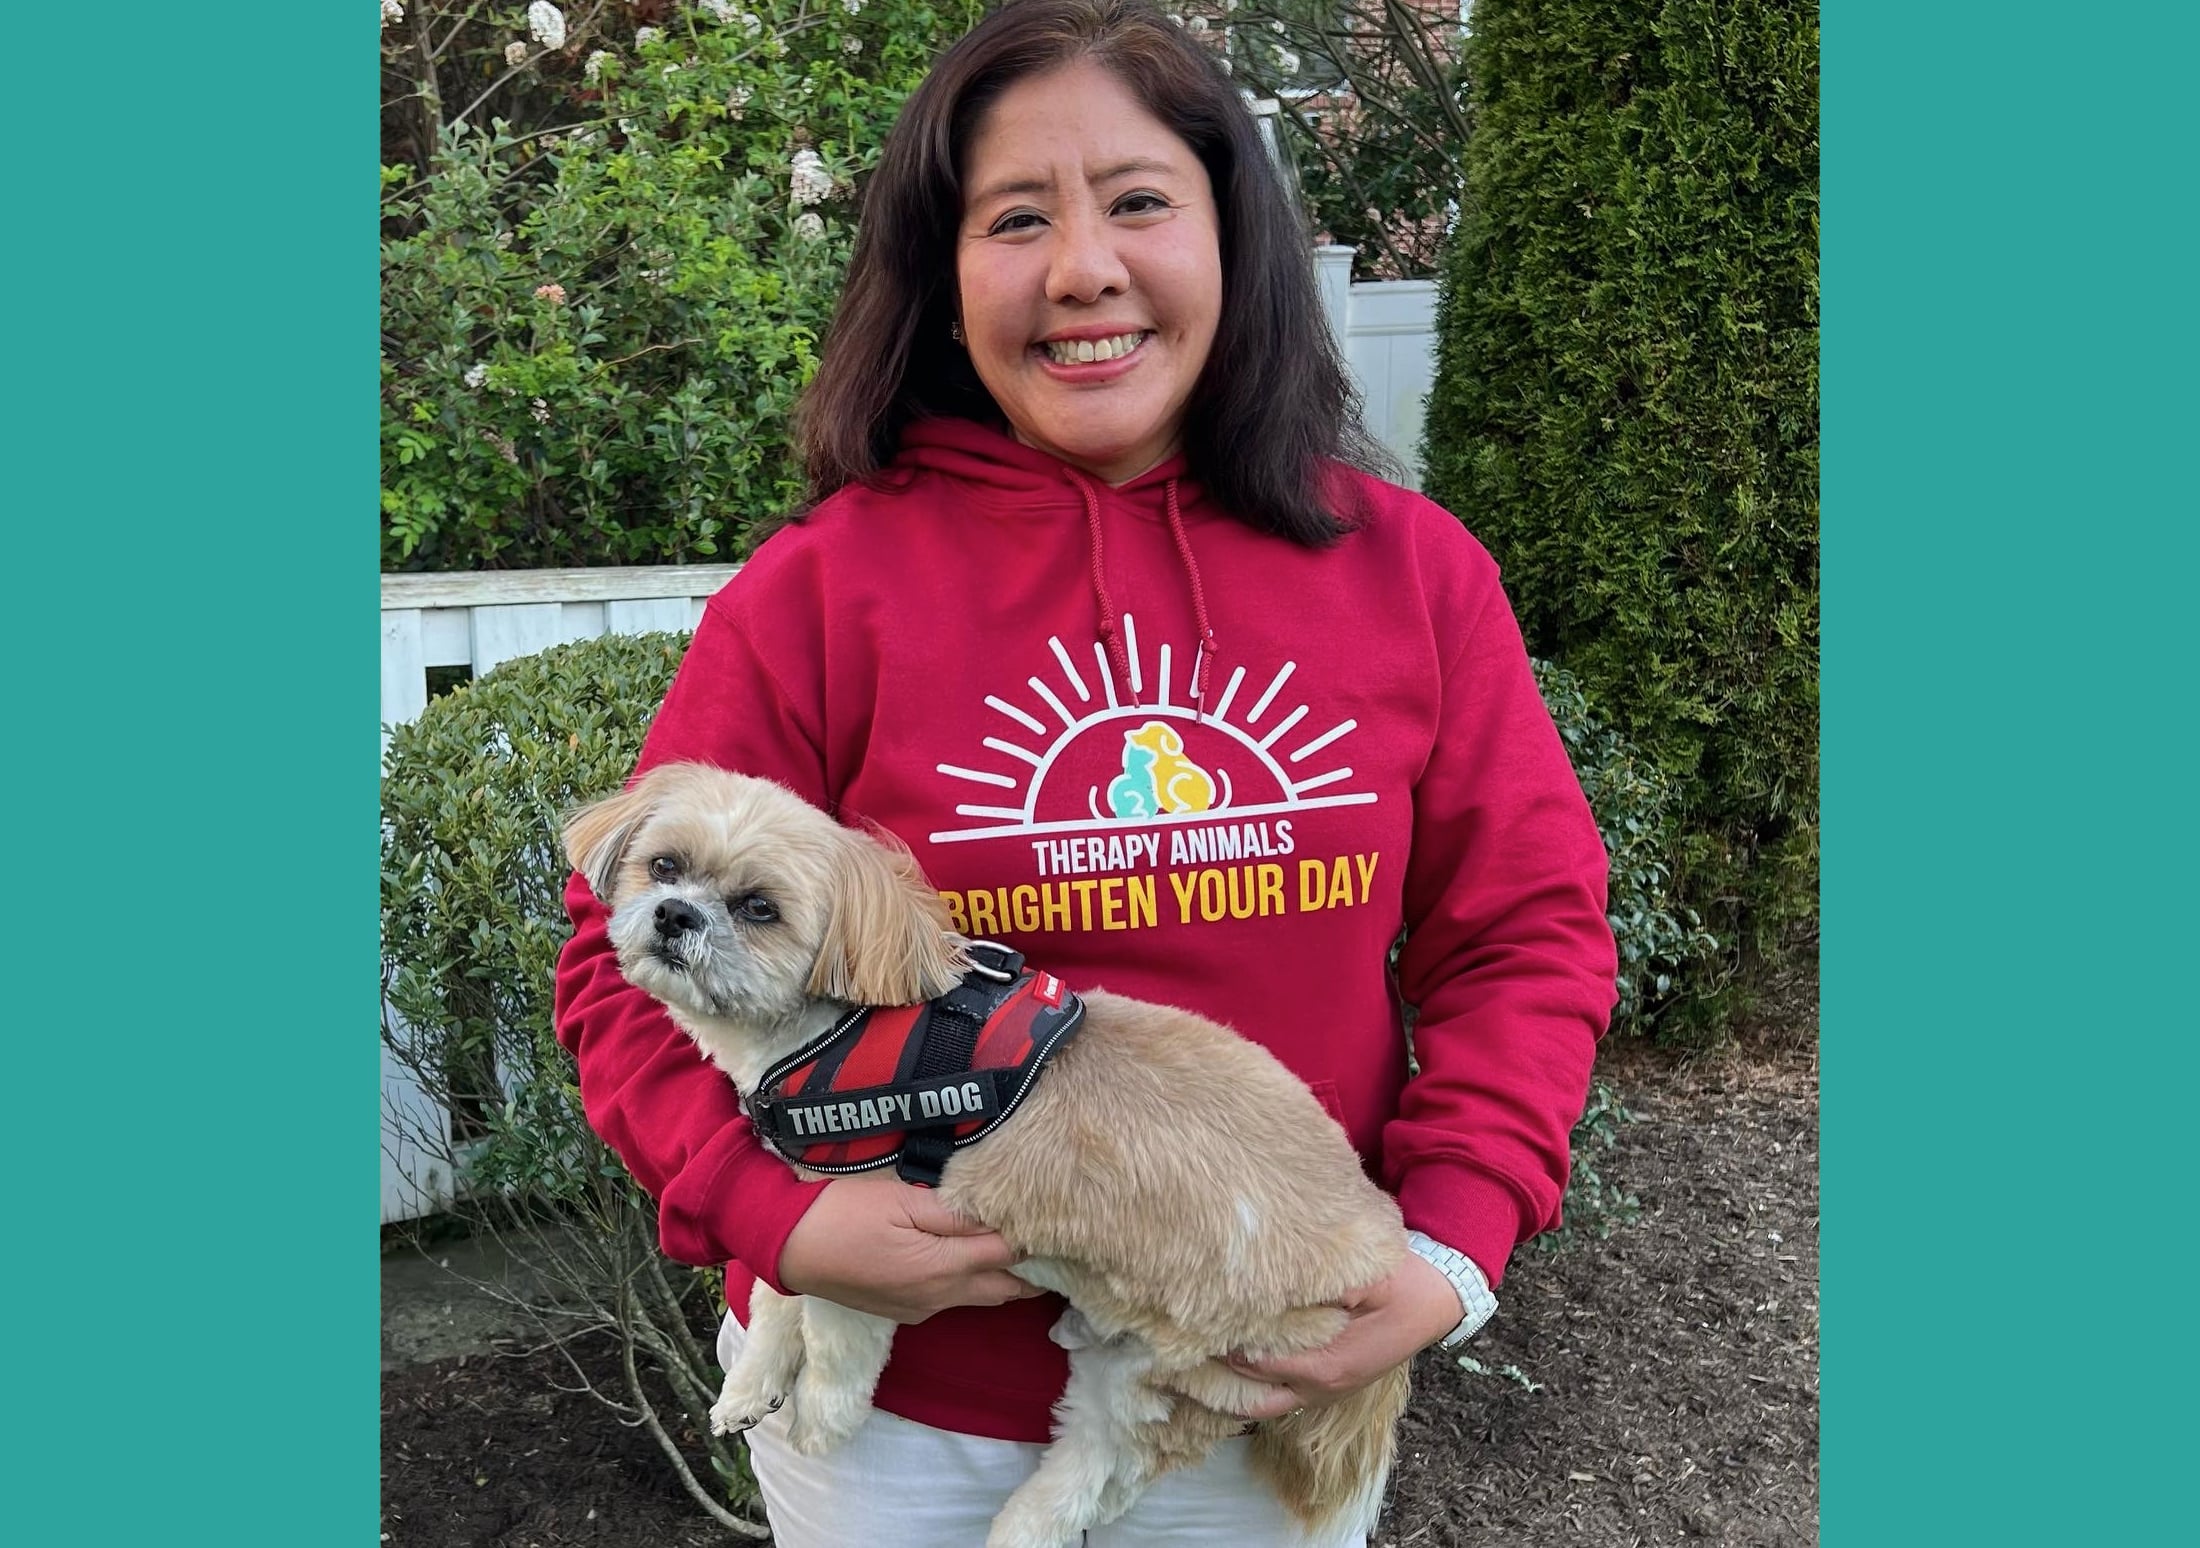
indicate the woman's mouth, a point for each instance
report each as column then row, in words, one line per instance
column 1092, row 351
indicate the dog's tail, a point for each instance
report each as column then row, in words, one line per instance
column 1328, row 1465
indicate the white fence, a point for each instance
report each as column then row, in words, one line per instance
column 1388, row 331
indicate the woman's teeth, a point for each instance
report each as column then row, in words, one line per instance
column 1082, row 351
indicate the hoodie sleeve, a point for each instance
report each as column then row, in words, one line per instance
column 1509, row 957
column 671, row 1116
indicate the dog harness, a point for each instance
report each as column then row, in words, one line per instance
column 907, row 1085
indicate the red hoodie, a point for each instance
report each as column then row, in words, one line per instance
column 1165, row 754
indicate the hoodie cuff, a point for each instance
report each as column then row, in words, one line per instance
column 733, row 1200
column 1468, row 1210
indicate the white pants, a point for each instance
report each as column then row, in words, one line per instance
column 899, row 1484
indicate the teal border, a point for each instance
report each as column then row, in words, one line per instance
column 2008, row 854
column 191, row 551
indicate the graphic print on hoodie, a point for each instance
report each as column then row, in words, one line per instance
column 1144, row 801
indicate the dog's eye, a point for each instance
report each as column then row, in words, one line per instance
column 664, row 868
column 754, row 908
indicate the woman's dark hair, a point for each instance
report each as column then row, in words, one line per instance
column 1273, row 400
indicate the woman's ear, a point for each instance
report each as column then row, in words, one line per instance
column 886, row 939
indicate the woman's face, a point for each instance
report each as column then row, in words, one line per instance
column 1089, row 268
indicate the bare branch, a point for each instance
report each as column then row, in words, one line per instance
column 716, row 1511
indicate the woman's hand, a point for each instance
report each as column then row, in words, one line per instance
column 883, row 1246
column 1391, row 1320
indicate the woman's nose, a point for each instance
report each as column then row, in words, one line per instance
column 1086, row 264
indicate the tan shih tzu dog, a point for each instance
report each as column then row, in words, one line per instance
column 1184, row 1191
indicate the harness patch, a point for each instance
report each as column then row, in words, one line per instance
column 909, row 1084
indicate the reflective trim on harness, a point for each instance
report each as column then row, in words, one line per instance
column 909, row 1084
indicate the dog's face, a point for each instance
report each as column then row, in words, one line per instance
column 741, row 906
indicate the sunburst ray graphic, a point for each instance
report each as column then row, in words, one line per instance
column 1034, row 748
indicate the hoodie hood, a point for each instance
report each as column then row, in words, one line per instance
column 1000, row 473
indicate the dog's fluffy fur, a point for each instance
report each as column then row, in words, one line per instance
column 1177, row 1184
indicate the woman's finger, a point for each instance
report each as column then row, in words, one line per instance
column 995, row 1289
column 929, row 1215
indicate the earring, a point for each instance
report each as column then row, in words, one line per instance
column 955, row 331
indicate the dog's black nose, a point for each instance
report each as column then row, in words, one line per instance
column 677, row 918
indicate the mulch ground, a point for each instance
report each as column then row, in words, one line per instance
column 1658, row 1386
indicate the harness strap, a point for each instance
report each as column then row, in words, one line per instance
column 907, row 1086
column 950, row 1040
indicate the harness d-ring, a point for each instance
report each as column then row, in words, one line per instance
column 998, row 975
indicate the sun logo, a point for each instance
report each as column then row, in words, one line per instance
column 1081, row 755
column 1157, row 777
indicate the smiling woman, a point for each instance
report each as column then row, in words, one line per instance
column 1089, row 270
column 1096, row 607
column 1042, row 102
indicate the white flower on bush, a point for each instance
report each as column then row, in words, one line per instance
column 1276, row 27
column 737, row 99
column 851, row 45
column 540, row 410
column 852, row 7
column 720, row 10
column 647, row 35
column 593, row 69
column 808, row 180
column 392, row 11
column 809, row 225
column 1287, row 62
column 515, row 54
column 547, row 23
column 751, row 23
column 476, row 374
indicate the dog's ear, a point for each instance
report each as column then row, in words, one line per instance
column 886, row 940
column 597, row 836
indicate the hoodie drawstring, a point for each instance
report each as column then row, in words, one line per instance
column 1199, row 600
column 1110, row 631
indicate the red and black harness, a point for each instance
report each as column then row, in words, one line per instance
column 907, row 1085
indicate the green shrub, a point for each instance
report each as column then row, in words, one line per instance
column 472, row 922
column 1661, row 941
column 1626, row 406
column 603, row 286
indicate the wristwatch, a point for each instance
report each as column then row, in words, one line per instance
column 1466, row 1277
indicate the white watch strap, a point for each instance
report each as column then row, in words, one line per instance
column 1466, row 1277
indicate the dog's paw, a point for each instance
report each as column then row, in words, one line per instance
column 1024, row 1524
column 750, row 1393
column 732, row 1414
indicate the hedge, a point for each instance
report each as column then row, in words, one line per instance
column 1626, row 405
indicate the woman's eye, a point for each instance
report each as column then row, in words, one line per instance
column 754, row 908
column 664, row 868
column 1141, row 203
column 1016, row 220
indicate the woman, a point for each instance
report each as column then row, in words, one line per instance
column 1093, row 609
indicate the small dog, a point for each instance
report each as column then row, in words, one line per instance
column 1184, row 1191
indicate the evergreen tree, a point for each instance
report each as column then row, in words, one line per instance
column 1626, row 406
